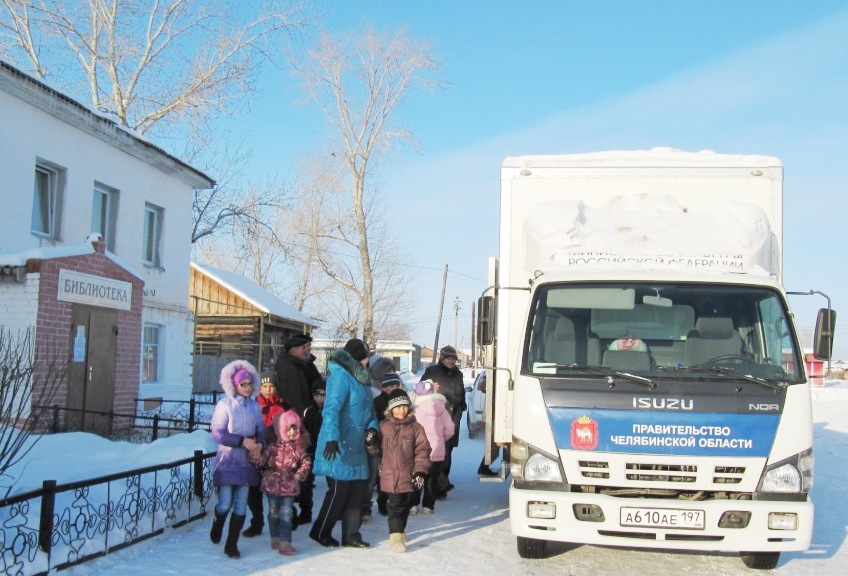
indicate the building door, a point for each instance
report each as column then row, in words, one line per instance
column 91, row 388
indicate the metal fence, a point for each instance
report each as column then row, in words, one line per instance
column 59, row 526
column 154, row 418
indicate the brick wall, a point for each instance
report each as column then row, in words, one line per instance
column 53, row 325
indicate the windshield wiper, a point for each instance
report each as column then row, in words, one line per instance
column 609, row 373
column 725, row 371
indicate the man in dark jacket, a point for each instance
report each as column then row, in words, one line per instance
column 452, row 387
column 296, row 372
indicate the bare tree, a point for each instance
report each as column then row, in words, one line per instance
column 29, row 379
column 358, row 80
column 163, row 68
column 168, row 63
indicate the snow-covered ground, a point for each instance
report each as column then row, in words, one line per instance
column 469, row 534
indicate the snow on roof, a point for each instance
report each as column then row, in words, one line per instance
column 254, row 293
column 19, row 259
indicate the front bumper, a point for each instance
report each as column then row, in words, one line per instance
column 565, row 526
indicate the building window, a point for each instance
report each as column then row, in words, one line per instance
column 150, row 353
column 104, row 214
column 47, row 200
column 152, row 242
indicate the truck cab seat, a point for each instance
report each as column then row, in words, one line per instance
column 627, row 359
column 562, row 346
column 713, row 336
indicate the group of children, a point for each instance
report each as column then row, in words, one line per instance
column 264, row 447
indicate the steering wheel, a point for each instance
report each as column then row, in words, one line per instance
column 729, row 358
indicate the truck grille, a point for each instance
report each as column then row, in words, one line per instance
column 591, row 469
column 641, row 472
column 661, row 473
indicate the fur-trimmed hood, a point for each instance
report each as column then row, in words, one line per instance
column 228, row 371
column 281, row 426
column 357, row 370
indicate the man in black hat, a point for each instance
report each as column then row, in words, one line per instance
column 296, row 372
column 452, row 387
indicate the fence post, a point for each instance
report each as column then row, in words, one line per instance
column 155, row 434
column 198, row 474
column 45, row 525
column 191, row 415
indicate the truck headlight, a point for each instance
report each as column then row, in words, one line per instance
column 793, row 475
column 531, row 465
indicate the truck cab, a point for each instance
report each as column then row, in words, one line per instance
column 646, row 376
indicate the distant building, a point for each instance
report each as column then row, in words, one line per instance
column 405, row 354
column 236, row 318
column 94, row 250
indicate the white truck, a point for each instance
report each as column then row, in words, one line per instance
column 644, row 369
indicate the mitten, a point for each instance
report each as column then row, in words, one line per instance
column 371, row 437
column 418, row 480
column 330, row 450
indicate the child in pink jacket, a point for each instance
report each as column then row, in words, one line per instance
column 284, row 465
column 431, row 411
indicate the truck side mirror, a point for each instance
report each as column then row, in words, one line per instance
column 486, row 324
column 825, row 326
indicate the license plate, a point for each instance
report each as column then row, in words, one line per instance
column 662, row 518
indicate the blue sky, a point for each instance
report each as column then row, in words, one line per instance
column 759, row 77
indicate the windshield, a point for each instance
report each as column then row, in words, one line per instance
column 662, row 330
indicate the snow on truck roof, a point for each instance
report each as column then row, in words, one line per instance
column 648, row 231
column 660, row 157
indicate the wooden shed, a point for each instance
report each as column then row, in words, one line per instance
column 235, row 318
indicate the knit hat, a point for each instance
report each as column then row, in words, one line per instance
column 241, row 375
column 448, row 352
column 390, row 379
column 296, row 340
column 319, row 387
column 357, row 348
column 269, row 376
column 397, row 398
column 424, row 387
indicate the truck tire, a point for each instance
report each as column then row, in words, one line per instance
column 760, row 560
column 532, row 548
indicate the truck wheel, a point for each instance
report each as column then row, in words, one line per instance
column 760, row 560
column 531, row 548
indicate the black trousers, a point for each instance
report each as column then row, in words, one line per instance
column 431, row 490
column 398, row 507
column 343, row 501
column 307, row 487
column 254, row 504
column 453, row 441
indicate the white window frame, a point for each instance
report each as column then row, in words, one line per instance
column 151, row 245
column 151, row 351
column 104, row 213
column 48, row 194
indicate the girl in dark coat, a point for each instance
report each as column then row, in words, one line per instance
column 404, row 466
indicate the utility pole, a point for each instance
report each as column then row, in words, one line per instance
column 474, row 334
column 456, row 306
column 439, row 321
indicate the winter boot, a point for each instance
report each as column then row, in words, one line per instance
column 275, row 543
column 286, row 549
column 217, row 528
column 231, row 546
column 253, row 530
column 397, row 542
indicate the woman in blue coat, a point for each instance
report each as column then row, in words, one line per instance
column 238, row 429
column 340, row 452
